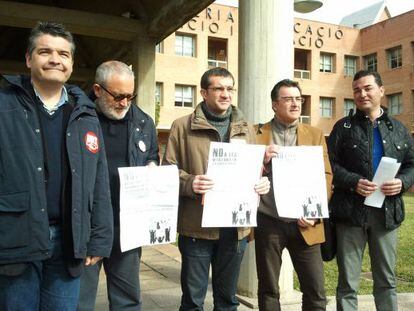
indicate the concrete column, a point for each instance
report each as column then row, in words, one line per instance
column 143, row 65
column 266, row 55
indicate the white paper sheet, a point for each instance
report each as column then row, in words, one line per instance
column 299, row 182
column 148, row 205
column 387, row 169
column 235, row 168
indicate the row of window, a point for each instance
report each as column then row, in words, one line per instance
column 326, row 105
column 185, row 46
column 394, row 60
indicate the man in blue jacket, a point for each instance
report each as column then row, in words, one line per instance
column 131, row 140
column 55, row 211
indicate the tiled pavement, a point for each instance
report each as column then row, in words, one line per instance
column 160, row 283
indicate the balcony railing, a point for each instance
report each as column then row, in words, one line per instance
column 302, row 74
column 305, row 119
column 212, row 63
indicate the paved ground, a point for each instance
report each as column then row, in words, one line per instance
column 160, row 282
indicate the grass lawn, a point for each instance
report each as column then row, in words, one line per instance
column 405, row 259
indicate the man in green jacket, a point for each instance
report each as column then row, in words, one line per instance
column 213, row 120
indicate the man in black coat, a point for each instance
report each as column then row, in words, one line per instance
column 356, row 145
column 55, row 211
column 131, row 140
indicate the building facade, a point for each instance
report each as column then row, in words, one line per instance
column 326, row 58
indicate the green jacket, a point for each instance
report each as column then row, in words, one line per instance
column 188, row 147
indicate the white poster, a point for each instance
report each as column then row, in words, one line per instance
column 299, row 182
column 148, row 205
column 235, row 169
column 387, row 169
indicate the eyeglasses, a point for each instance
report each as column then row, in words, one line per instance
column 291, row 99
column 221, row 89
column 120, row 97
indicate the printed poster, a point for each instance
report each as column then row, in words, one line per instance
column 235, row 169
column 299, row 182
column 148, row 205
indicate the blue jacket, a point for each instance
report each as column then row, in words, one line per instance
column 24, row 223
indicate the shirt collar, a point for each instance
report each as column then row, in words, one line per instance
column 63, row 100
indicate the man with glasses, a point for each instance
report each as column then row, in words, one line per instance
column 214, row 119
column 130, row 140
column 273, row 233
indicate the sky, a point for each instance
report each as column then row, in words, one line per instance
column 333, row 11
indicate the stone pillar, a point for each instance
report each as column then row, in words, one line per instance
column 266, row 55
column 143, row 65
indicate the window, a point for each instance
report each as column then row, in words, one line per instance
column 395, row 104
column 159, row 48
column 326, row 62
column 326, row 107
column 184, row 96
column 348, row 105
column 350, row 65
column 184, row 45
column 158, row 93
column 370, row 62
column 217, row 52
column 394, row 57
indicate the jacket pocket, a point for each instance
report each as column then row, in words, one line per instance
column 14, row 220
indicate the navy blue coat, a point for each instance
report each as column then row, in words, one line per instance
column 24, row 224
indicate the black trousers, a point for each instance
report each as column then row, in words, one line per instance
column 272, row 236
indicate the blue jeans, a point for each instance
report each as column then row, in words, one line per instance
column 225, row 256
column 44, row 285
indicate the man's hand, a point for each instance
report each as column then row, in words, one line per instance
column 202, row 184
column 263, row 186
column 270, row 152
column 306, row 222
column 91, row 260
column 366, row 187
column 392, row 187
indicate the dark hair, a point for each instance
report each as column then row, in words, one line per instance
column 364, row 73
column 49, row 28
column 214, row 72
column 274, row 94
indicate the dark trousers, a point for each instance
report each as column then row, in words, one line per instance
column 225, row 256
column 122, row 279
column 272, row 236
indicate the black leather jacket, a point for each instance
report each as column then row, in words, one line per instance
column 350, row 148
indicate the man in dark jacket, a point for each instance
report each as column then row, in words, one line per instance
column 131, row 140
column 55, row 210
column 356, row 145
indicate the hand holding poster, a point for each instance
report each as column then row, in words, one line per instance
column 148, row 205
column 299, row 183
column 387, row 169
column 235, row 169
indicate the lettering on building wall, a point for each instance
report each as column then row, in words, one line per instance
column 211, row 24
column 308, row 36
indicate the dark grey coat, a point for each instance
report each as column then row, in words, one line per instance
column 350, row 151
